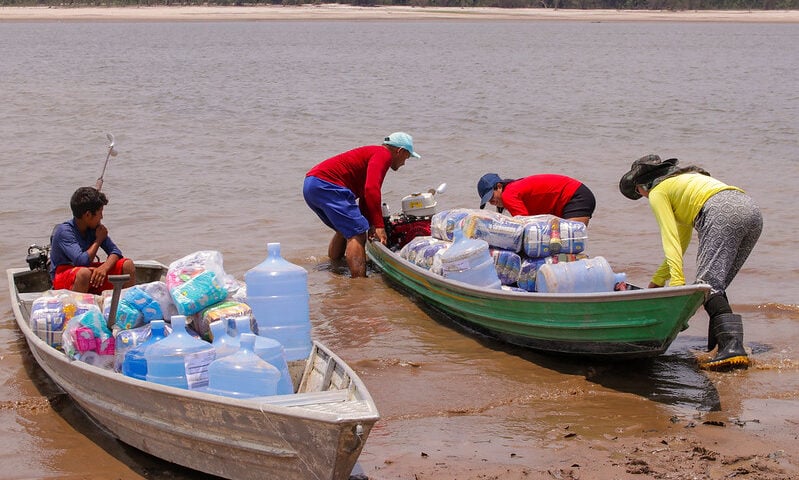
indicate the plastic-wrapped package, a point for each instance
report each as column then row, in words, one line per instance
column 140, row 304
column 527, row 272
column 51, row 312
column 197, row 281
column 426, row 257
column 197, row 293
column 412, row 248
column 508, row 265
column 87, row 336
column 537, row 240
column 223, row 311
column 237, row 293
column 182, row 270
column 443, row 223
column 420, row 250
column 437, row 267
column 160, row 294
column 500, row 231
column 47, row 320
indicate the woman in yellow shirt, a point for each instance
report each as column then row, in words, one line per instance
column 728, row 224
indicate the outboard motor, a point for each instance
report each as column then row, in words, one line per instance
column 414, row 220
column 38, row 257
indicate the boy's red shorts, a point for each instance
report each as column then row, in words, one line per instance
column 65, row 276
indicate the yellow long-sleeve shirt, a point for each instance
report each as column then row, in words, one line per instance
column 676, row 202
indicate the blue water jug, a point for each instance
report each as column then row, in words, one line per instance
column 179, row 360
column 270, row 351
column 134, row 364
column 469, row 261
column 223, row 343
column 277, row 293
column 243, row 374
column 583, row 276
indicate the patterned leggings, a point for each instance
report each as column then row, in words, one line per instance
column 728, row 225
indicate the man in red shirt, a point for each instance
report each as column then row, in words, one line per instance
column 551, row 194
column 344, row 192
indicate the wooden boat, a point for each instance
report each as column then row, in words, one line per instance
column 316, row 433
column 612, row 325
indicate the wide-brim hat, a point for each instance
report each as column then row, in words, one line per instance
column 643, row 171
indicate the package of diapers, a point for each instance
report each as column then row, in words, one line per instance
column 508, row 265
column 198, row 281
column 498, row 230
column 443, row 223
column 570, row 236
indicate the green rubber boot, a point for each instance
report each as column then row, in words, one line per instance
column 728, row 331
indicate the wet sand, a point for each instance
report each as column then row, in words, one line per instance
column 347, row 12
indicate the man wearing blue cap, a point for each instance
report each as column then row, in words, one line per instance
column 344, row 191
column 551, row 194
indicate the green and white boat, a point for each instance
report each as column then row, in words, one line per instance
column 635, row 323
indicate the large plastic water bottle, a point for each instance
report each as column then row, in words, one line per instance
column 583, row 276
column 277, row 293
column 179, row 360
column 468, row 260
column 223, row 343
column 243, row 374
column 270, row 351
column 134, row 364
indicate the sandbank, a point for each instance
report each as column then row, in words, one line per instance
column 348, row 12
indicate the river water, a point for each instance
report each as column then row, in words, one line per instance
column 217, row 123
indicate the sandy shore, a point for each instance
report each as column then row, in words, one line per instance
column 347, row 12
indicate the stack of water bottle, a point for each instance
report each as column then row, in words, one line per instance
column 200, row 330
column 541, row 253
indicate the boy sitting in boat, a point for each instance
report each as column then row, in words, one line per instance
column 75, row 243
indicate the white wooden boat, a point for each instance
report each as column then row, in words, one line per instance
column 314, row 434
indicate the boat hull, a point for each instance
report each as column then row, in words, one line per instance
column 316, row 433
column 612, row 325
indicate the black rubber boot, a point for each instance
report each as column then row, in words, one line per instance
column 728, row 330
column 711, row 335
column 715, row 305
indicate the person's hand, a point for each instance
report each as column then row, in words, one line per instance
column 654, row 285
column 101, row 233
column 99, row 274
column 380, row 233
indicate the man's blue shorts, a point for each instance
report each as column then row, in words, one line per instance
column 336, row 206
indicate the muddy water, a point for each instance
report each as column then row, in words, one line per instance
column 217, row 123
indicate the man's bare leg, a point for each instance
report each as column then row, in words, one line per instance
column 83, row 279
column 129, row 268
column 356, row 255
column 337, row 247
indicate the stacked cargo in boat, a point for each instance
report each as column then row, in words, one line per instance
column 196, row 330
column 541, row 253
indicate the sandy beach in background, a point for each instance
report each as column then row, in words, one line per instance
column 348, row 12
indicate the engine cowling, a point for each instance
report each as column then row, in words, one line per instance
column 402, row 229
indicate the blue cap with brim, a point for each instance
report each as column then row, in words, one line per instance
column 401, row 140
column 485, row 187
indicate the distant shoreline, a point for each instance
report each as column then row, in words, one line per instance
column 348, row 12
